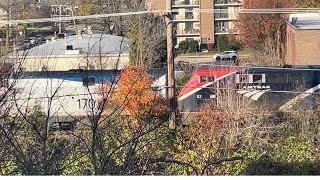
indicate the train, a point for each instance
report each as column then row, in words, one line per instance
column 67, row 97
column 277, row 87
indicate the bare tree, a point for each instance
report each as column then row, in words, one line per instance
column 103, row 143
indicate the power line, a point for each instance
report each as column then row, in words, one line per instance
column 101, row 16
column 258, row 11
column 95, row 16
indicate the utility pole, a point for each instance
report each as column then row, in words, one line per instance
column 8, row 17
column 170, row 63
column 60, row 11
column 60, row 23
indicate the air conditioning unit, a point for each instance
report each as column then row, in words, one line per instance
column 295, row 20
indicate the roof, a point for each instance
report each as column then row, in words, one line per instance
column 310, row 21
column 92, row 44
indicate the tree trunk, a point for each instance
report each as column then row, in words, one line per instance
column 278, row 46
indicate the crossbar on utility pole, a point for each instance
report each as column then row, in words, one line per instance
column 170, row 63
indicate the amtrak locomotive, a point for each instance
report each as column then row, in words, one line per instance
column 279, row 88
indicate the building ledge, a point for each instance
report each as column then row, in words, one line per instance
column 185, row 5
column 185, row 20
column 229, row 4
column 221, row 33
column 225, row 19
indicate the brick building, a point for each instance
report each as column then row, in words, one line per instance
column 190, row 23
column 303, row 39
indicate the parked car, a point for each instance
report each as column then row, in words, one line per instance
column 226, row 55
column 33, row 40
column 37, row 39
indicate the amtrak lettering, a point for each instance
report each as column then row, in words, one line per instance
column 257, row 87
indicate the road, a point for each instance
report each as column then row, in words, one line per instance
column 207, row 60
column 201, row 59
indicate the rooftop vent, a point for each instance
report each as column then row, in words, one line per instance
column 71, row 51
column 89, row 30
column 295, row 20
column 69, row 47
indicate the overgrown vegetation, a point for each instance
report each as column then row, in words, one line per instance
column 129, row 134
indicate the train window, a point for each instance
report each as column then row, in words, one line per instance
column 257, row 78
column 203, row 79
column 210, row 79
column 89, row 81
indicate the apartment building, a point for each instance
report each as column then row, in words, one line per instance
column 195, row 19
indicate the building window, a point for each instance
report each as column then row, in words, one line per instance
column 89, row 81
column 189, row 13
column 174, row 15
column 199, row 96
column 189, row 26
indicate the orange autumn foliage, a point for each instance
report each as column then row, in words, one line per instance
column 134, row 93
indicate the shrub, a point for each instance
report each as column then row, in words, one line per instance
column 223, row 43
column 188, row 46
column 288, row 156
